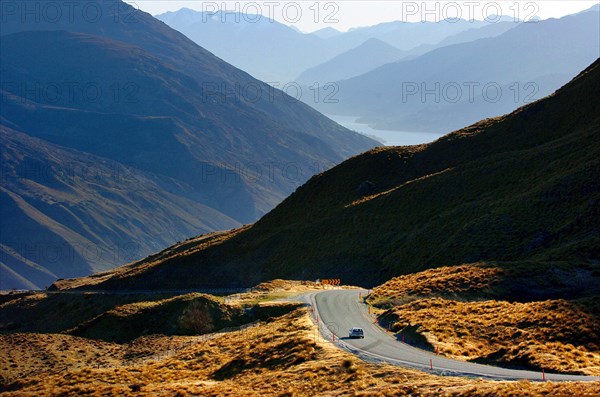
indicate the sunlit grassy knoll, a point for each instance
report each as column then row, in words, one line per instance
column 467, row 313
column 283, row 357
column 443, row 281
column 125, row 317
column 273, row 290
column 555, row 335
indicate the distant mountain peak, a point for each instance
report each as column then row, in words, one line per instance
column 375, row 42
column 326, row 33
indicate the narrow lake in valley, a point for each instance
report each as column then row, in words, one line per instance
column 387, row 137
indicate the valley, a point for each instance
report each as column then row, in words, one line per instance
column 200, row 201
column 386, row 137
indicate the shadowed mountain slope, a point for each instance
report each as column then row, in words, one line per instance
column 519, row 188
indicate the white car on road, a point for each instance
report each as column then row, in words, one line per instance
column 356, row 333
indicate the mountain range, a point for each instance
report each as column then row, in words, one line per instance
column 121, row 135
column 519, row 191
column 418, row 77
column 453, row 86
column 277, row 53
column 356, row 61
column 374, row 53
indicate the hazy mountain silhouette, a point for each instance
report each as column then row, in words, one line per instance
column 367, row 56
column 480, row 32
column 408, row 35
column 374, row 53
column 274, row 52
column 421, row 94
column 267, row 49
column 326, row 33
column 433, row 92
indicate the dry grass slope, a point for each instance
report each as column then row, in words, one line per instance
column 444, row 281
column 556, row 335
column 449, row 309
column 180, row 315
column 279, row 358
column 122, row 318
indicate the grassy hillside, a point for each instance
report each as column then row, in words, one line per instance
column 520, row 188
column 121, row 318
column 469, row 312
column 280, row 357
column 556, row 335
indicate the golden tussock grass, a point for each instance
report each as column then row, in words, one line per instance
column 287, row 285
column 274, row 289
column 446, row 280
column 446, row 307
column 555, row 335
column 279, row 289
column 283, row 357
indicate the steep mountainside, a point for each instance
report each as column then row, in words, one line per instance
column 66, row 213
column 140, row 100
column 520, row 189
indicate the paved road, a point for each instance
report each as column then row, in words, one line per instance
column 340, row 310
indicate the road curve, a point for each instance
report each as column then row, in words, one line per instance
column 339, row 310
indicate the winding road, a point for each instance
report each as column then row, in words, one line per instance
column 336, row 311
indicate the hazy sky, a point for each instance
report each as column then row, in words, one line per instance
column 310, row 15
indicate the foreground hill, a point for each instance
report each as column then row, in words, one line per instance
column 468, row 312
column 181, row 152
column 518, row 188
column 280, row 357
